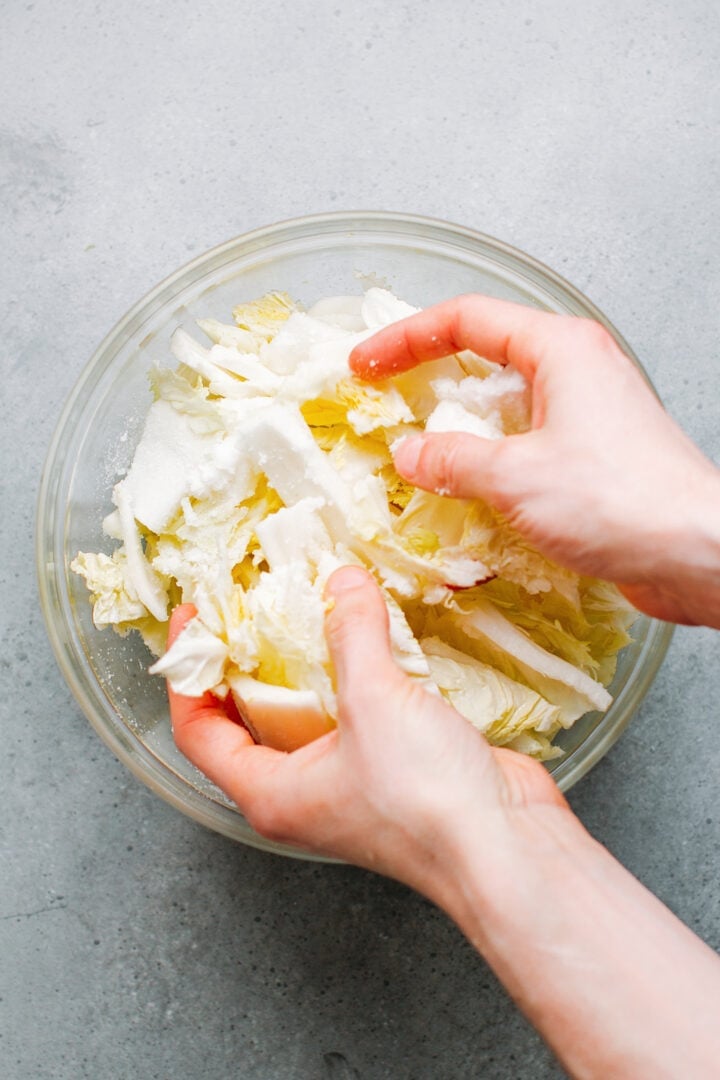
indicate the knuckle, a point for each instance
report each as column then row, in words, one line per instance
column 265, row 817
column 365, row 696
column 186, row 728
column 411, row 342
column 594, row 334
column 440, row 463
column 462, row 312
column 344, row 621
column 512, row 470
column 179, row 734
column 338, row 638
column 498, row 469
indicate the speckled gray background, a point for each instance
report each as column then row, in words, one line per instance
column 134, row 943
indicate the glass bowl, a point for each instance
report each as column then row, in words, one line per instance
column 423, row 261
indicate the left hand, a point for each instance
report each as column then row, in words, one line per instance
column 395, row 787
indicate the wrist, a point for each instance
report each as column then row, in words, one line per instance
column 682, row 581
column 494, row 865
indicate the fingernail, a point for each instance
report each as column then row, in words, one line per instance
column 350, row 577
column 407, row 455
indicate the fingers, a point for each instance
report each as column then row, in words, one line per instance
column 206, row 733
column 358, row 635
column 180, row 617
column 501, row 331
column 463, row 466
column 448, row 464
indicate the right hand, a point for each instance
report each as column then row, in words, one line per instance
column 605, row 483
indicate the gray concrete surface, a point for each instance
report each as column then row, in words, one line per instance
column 133, row 943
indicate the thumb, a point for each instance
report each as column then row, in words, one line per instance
column 358, row 634
column 452, row 463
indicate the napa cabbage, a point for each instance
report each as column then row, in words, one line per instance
column 265, row 465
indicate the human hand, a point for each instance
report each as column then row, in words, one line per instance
column 394, row 786
column 407, row 787
column 605, row 483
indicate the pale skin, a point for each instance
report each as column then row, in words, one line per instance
column 607, row 484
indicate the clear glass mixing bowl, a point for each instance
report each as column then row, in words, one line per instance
column 423, row 261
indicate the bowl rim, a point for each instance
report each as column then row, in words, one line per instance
column 139, row 759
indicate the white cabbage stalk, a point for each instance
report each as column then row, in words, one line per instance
column 231, row 336
column 147, row 583
column 560, row 683
column 279, row 715
column 489, row 699
column 344, row 312
column 190, row 353
column 381, row 308
column 502, row 399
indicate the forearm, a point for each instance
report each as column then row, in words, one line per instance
column 614, row 982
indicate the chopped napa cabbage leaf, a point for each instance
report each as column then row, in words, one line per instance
column 472, row 364
column 534, row 745
column 185, row 390
column 153, row 633
column 365, row 409
column 323, row 370
column 279, row 440
column 148, row 585
column 484, row 534
column 311, row 351
column 453, row 416
column 294, row 533
column 256, row 378
column 111, row 526
column 374, row 407
column 232, row 337
column 502, row 399
column 197, row 358
column 495, row 704
column 344, row 312
column 208, row 544
column 418, row 385
column 173, row 461
column 327, row 414
column 279, row 716
column 354, row 457
column 195, row 662
column 380, row 308
column 482, row 631
column 201, row 571
column 265, row 316
column 406, row 649
column 113, row 594
column 287, row 612
column 588, row 632
column 399, row 490
column 610, row 617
